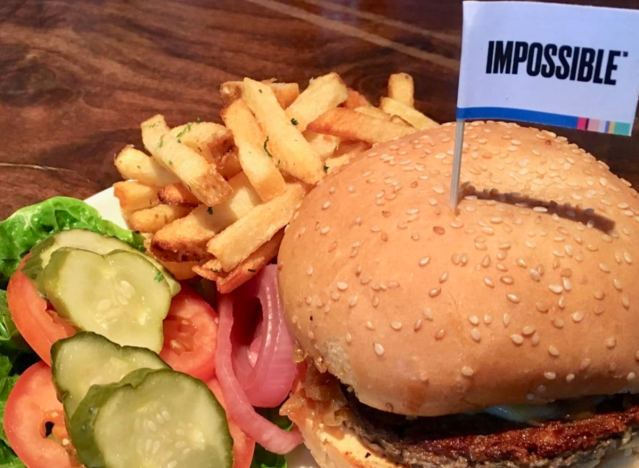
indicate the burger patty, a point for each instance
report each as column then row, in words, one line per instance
column 482, row 440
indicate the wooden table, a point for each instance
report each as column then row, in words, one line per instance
column 77, row 77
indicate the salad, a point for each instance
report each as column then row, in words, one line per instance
column 107, row 361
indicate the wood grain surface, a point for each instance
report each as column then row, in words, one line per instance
column 77, row 77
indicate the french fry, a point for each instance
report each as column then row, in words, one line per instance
column 227, row 282
column 154, row 219
column 346, row 152
column 283, row 140
column 181, row 270
column 249, row 138
column 334, row 163
column 402, row 89
column 374, row 112
column 285, row 93
column 398, row 120
column 351, row 125
column 355, row 100
column 322, row 94
column 246, row 235
column 198, row 176
column 134, row 196
column 134, row 164
column 410, row 115
column 324, row 145
column 186, row 238
column 229, row 165
column 177, row 194
column 351, row 148
column 209, row 139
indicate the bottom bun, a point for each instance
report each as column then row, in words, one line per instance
column 338, row 447
column 333, row 447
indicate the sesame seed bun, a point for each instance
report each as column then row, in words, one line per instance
column 526, row 294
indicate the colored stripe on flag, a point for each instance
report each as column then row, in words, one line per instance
column 581, row 123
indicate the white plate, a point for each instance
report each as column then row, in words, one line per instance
column 109, row 208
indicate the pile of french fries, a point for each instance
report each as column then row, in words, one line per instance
column 214, row 199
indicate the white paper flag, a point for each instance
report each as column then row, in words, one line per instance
column 564, row 65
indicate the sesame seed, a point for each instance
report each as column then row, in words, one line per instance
column 488, row 282
column 427, row 313
column 570, row 378
column 534, row 274
column 475, row 334
column 424, row 261
column 627, row 257
column 396, row 326
column 631, row 376
column 567, row 284
column 530, row 396
column 488, row 319
column 326, row 205
column 625, row 302
column 418, row 325
column 467, row 371
column 507, row 279
column 440, row 334
column 513, row 298
column 485, row 262
column 517, row 339
column 558, row 322
column 352, row 302
column 599, row 295
column 584, row 364
column 577, row 316
column 434, row 292
column 368, row 324
column 379, row 349
column 375, row 301
column 309, row 271
column 604, row 267
column 506, row 319
column 349, row 338
column 617, row 284
column 351, row 188
column 331, row 189
column 542, row 307
column 473, row 319
column 550, row 375
column 611, row 342
column 334, row 295
column 556, row 288
column 553, row 351
column 342, row 286
column 528, row 330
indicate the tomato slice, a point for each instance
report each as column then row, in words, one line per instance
column 243, row 445
column 36, row 321
column 190, row 335
column 34, row 422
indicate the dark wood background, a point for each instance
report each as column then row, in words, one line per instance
column 77, row 77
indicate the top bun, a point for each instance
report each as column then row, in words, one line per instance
column 528, row 293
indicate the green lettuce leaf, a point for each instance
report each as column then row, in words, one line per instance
column 262, row 458
column 8, row 459
column 32, row 224
column 11, row 342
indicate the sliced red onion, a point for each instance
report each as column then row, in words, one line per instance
column 275, row 352
column 262, row 345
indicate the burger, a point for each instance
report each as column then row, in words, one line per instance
column 502, row 333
